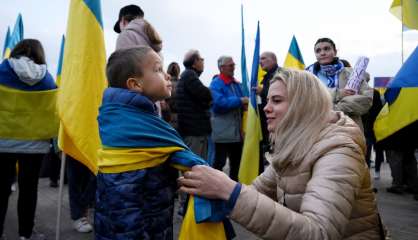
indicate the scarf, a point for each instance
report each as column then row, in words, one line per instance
column 226, row 79
column 331, row 72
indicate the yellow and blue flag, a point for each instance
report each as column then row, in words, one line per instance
column 401, row 95
column 82, row 83
column 15, row 37
column 249, row 167
column 60, row 59
column 244, row 72
column 144, row 140
column 6, row 41
column 406, row 11
column 294, row 58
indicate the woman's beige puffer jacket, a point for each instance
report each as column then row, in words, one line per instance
column 327, row 195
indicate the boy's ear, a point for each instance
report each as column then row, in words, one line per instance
column 134, row 84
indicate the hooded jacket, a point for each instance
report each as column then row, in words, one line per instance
column 326, row 195
column 355, row 105
column 23, row 74
column 134, row 35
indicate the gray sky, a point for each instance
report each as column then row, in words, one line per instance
column 358, row 27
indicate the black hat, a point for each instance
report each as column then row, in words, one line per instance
column 132, row 10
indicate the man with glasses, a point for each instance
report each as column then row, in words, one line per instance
column 193, row 101
column 227, row 108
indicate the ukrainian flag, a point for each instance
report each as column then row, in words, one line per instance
column 244, row 72
column 15, row 37
column 143, row 140
column 6, row 41
column 249, row 167
column 401, row 95
column 59, row 70
column 83, row 82
column 406, row 11
column 294, row 58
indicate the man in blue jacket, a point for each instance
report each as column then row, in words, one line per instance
column 227, row 108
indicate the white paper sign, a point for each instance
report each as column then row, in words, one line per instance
column 354, row 81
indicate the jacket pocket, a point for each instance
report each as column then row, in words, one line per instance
column 225, row 128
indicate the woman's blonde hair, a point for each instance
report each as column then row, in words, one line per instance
column 308, row 113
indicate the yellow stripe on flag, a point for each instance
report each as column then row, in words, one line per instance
column 200, row 231
column 82, row 84
column 398, row 115
column 249, row 166
column 28, row 115
column 406, row 11
column 292, row 62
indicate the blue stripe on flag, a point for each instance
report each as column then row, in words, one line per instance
column 95, row 7
column 6, row 41
column 61, row 57
column 254, row 70
column 244, row 72
column 406, row 77
column 295, row 51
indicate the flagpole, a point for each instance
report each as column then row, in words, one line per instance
column 59, row 207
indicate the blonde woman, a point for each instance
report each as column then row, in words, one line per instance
column 317, row 185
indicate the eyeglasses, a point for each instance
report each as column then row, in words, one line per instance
column 229, row 65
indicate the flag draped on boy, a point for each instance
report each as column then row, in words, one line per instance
column 249, row 166
column 294, row 58
column 143, row 140
column 15, row 37
column 82, row 83
column 6, row 41
column 406, row 11
column 401, row 95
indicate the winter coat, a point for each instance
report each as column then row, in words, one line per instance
column 134, row 35
column 23, row 74
column 192, row 101
column 226, row 117
column 355, row 105
column 326, row 195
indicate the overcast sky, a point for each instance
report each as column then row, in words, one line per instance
column 358, row 27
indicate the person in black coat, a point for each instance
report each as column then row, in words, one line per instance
column 368, row 122
column 193, row 100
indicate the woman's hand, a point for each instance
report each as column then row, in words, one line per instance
column 207, row 182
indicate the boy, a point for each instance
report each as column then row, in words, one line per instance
column 135, row 183
column 132, row 202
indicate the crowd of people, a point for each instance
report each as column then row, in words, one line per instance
column 315, row 156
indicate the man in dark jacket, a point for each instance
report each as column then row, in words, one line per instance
column 193, row 101
column 268, row 63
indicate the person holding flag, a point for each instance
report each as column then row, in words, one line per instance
column 317, row 185
column 27, row 121
column 227, row 108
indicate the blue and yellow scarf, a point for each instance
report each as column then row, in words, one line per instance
column 134, row 137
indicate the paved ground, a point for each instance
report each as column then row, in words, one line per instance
column 399, row 213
